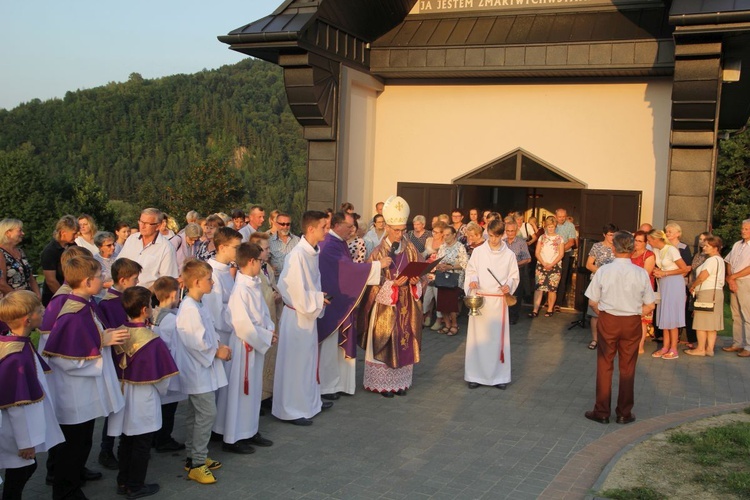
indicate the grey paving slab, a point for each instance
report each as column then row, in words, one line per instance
column 444, row 441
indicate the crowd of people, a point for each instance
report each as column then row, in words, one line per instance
column 232, row 321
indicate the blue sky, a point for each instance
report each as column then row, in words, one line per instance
column 51, row 47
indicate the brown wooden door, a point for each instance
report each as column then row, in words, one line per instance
column 427, row 199
column 602, row 206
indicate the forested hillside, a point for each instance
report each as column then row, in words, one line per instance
column 214, row 140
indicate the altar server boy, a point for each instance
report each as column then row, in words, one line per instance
column 58, row 299
column 144, row 367
column 253, row 335
column 26, row 410
column 164, row 318
column 84, row 382
column 124, row 275
column 201, row 371
column 227, row 240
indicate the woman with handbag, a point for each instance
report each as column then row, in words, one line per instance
column 670, row 271
column 708, row 289
column 449, row 279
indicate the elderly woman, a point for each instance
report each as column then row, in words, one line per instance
column 670, row 272
column 188, row 243
column 698, row 259
column 708, row 286
column 63, row 236
column 474, row 237
column 86, row 232
column 645, row 258
column 15, row 270
column 105, row 242
column 602, row 252
column 549, row 254
column 419, row 234
column 454, row 261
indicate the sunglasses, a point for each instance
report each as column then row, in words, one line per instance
column 284, row 224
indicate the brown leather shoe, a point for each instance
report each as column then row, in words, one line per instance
column 732, row 349
column 744, row 353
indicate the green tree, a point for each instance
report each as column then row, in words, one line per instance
column 26, row 194
column 83, row 195
column 732, row 195
column 208, row 187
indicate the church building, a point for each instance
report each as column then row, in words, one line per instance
column 612, row 109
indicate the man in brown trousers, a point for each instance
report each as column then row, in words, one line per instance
column 620, row 293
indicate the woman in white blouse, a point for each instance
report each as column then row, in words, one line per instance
column 709, row 287
column 670, row 271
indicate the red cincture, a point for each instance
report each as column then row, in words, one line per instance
column 248, row 350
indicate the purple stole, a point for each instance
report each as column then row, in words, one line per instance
column 112, row 312
column 75, row 334
column 18, row 372
column 53, row 308
column 345, row 280
column 144, row 358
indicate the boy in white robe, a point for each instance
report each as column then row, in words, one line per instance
column 164, row 319
column 492, row 272
column 227, row 240
column 199, row 359
column 253, row 335
column 25, row 404
column 144, row 367
column 296, row 389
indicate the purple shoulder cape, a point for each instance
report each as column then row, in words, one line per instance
column 52, row 311
column 345, row 280
column 144, row 358
column 18, row 372
column 75, row 334
column 112, row 312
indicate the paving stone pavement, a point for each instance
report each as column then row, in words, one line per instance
column 444, row 441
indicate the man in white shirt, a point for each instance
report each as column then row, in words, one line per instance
column 738, row 270
column 256, row 218
column 150, row 249
column 620, row 293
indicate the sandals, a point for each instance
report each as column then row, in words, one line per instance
column 660, row 353
column 445, row 329
column 533, row 314
column 670, row 355
column 593, row 344
column 548, row 314
column 452, row 331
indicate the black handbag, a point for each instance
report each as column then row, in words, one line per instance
column 446, row 279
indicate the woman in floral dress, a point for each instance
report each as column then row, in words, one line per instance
column 550, row 250
column 602, row 252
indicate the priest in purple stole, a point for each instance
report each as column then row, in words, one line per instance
column 390, row 319
column 345, row 281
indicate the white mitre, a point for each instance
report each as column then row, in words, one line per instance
column 396, row 211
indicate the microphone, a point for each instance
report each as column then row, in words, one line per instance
column 394, row 248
